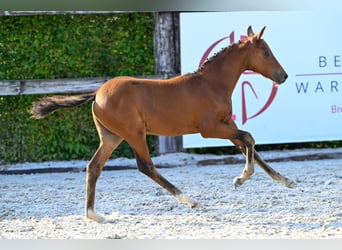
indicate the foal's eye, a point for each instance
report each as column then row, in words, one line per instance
column 266, row 53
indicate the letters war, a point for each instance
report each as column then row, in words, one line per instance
column 331, row 86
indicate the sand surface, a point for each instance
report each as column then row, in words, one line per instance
column 35, row 206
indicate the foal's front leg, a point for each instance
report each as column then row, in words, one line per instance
column 272, row 173
column 262, row 164
column 240, row 138
column 248, row 171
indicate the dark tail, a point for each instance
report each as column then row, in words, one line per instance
column 48, row 105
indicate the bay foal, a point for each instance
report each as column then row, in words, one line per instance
column 126, row 108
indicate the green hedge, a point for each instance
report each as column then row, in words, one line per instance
column 66, row 46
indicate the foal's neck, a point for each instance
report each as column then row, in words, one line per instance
column 225, row 68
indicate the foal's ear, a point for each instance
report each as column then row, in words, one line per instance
column 259, row 34
column 250, row 31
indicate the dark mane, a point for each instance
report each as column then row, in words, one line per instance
column 216, row 55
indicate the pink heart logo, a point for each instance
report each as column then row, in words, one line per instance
column 270, row 99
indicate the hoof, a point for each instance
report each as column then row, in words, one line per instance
column 184, row 199
column 196, row 205
column 93, row 216
column 290, row 184
column 236, row 183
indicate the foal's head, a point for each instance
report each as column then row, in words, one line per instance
column 261, row 58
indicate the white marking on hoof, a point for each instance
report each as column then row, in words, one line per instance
column 184, row 199
column 236, row 183
column 288, row 183
column 93, row 216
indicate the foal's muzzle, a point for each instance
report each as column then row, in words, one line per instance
column 280, row 76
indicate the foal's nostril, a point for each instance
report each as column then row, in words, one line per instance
column 280, row 76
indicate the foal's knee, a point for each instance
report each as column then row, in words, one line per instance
column 246, row 138
column 249, row 140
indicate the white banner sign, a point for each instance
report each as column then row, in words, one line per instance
column 308, row 106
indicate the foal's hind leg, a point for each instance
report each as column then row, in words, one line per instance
column 108, row 142
column 146, row 166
